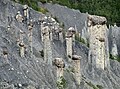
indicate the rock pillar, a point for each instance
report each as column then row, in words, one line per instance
column 61, row 35
column 19, row 17
column 51, row 35
column 76, row 68
column 22, row 49
column 21, row 44
column 47, row 45
column 98, row 41
column 30, row 28
column 42, row 26
column 26, row 11
column 21, row 36
column 59, row 65
column 114, row 51
column 69, row 46
column 5, row 54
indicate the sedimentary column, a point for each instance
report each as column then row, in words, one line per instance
column 17, row 41
column 5, row 55
column 21, row 44
column 26, row 11
column 19, row 17
column 22, row 49
column 76, row 68
column 69, row 45
column 98, row 41
column 114, row 51
column 21, row 35
column 30, row 28
column 51, row 35
column 42, row 26
column 47, row 45
column 61, row 35
column 59, row 65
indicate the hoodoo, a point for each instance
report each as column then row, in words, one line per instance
column 98, row 42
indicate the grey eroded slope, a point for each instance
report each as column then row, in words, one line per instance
column 114, row 31
column 17, row 71
column 69, row 17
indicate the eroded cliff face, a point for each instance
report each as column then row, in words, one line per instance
column 35, row 51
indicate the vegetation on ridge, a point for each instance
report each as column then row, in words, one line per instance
column 33, row 4
column 108, row 8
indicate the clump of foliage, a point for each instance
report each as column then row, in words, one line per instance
column 33, row 4
column 61, row 83
column 43, row 10
column 43, row 1
column 80, row 39
column 115, row 57
column 100, row 87
column 108, row 8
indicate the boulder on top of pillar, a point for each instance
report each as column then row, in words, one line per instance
column 94, row 20
column 25, row 7
column 45, row 30
column 44, row 20
column 41, row 20
column 21, row 44
column 69, row 34
column 60, row 30
column 30, row 25
column 76, row 57
column 19, row 17
column 52, row 20
column 72, row 30
column 59, row 63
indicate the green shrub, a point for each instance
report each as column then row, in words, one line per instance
column 61, row 83
column 43, row 1
column 107, row 8
column 100, row 87
column 80, row 39
column 43, row 10
column 115, row 57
